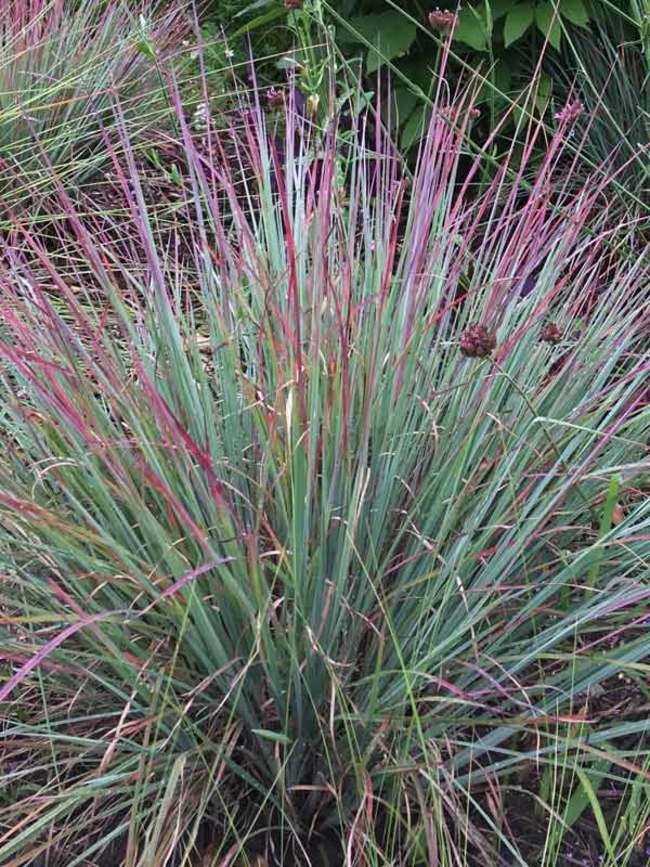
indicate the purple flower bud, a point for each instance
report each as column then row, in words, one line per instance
column 570, row 112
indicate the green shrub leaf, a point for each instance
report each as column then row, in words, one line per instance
column 260, row 21
column 391, row 33
column 499, row 8
column 471, row 30
column 575, row 12
column 544, row 92
column 517, row 22
column 414, row 127
column 250, row 7
column 548, row 22
column 405, row 102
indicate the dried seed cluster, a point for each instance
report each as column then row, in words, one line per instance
column 477, row 341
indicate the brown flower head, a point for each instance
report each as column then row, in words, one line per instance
column 477, row 342
column 551, row 333
column 274, row 97
column 442, row 20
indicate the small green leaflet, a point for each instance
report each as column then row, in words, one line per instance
column 517, row 22
column 606, row 520
column 471, row 29
column 575, row 11
column 548, row 22
column 405, row 103
column 598, row 813
column 258, row 4
column 544, row 92
column 606, row 517
column 390, row 32
column 579, row 800
column 415, row 126
column 278, row 737
column 499, row 8
column 266, row 18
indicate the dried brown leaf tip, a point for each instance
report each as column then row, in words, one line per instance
column 551, row 334
column 477, row 341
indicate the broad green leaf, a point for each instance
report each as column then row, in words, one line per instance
column 502, row 80
column 575, row 11
column 503, row 76
column 344, row 35
column 517, row 22
column 414, row 127
column 544, row 92
column 405, row 101
column 418, row 73
column 471, row 30
column 548, row 22
column 391, row 33
column 498, row 8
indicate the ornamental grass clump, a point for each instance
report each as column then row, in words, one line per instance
column 284, row 575
column 61, row 66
